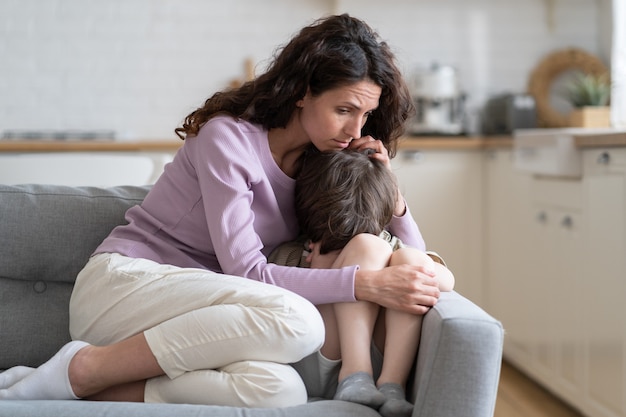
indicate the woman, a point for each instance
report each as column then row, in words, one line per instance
column 180, row 305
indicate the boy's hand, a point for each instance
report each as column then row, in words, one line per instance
column 318, row 260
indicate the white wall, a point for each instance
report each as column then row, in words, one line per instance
column 135, row 66
column 494, row 44
column 139, row 66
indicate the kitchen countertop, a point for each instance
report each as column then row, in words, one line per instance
column 171, row 145
column 454, row 142
column 406, row 143
column 601, row 140
column 27, row 146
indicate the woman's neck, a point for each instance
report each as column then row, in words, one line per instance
column 287, row 145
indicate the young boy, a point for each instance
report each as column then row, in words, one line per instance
column 344, row 200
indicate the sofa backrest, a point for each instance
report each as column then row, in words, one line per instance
column 47, row 233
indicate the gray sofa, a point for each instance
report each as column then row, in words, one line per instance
column 46, row 236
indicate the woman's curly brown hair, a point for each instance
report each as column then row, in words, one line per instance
column 332, row 52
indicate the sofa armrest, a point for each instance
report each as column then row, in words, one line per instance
column 459, row 359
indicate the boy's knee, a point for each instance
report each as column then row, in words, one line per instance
column 411, row 256
column 372, row 245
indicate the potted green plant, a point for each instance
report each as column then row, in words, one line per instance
column 590, row 95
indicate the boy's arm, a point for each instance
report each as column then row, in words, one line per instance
column 442, row 273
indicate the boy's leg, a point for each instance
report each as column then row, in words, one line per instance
column 402, row 335
column 402, row 330
column 356, row 383
column 331, row 348
column 355, row 323
column 401, row 342
column 411, row 256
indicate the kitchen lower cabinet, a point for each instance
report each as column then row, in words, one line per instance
column 555, row 258
column 545, row 255
column 507, row 226
column 533, row 238
column 444, row 192
column 603, row 264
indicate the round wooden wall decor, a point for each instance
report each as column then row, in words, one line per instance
column 546, row 73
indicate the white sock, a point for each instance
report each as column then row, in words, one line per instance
column 12, row 375
column 48, row 382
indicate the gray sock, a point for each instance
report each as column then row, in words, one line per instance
column 359, row 388
column 395, row 404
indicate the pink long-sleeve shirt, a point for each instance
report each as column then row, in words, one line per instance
column 223, row 204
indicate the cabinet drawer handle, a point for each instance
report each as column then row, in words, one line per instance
column 542, row 217
column 604, row 158
column 567, row 222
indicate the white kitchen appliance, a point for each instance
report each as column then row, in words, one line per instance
column 439, row 102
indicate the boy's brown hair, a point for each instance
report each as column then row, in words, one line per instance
column 341, row 194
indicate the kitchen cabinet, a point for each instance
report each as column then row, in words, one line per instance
column 555, row 258
column 603, row 264
column 444, row 191
column 556, row 276
column 533, row 231
column 507, row 225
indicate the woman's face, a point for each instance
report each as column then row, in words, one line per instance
column 332, row 119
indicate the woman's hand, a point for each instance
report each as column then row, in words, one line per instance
column 368, row 142
column 403, row 287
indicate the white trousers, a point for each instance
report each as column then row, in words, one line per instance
column 220, row 339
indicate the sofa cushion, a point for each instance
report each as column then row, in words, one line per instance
column 109, row 409
column 47, row 234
